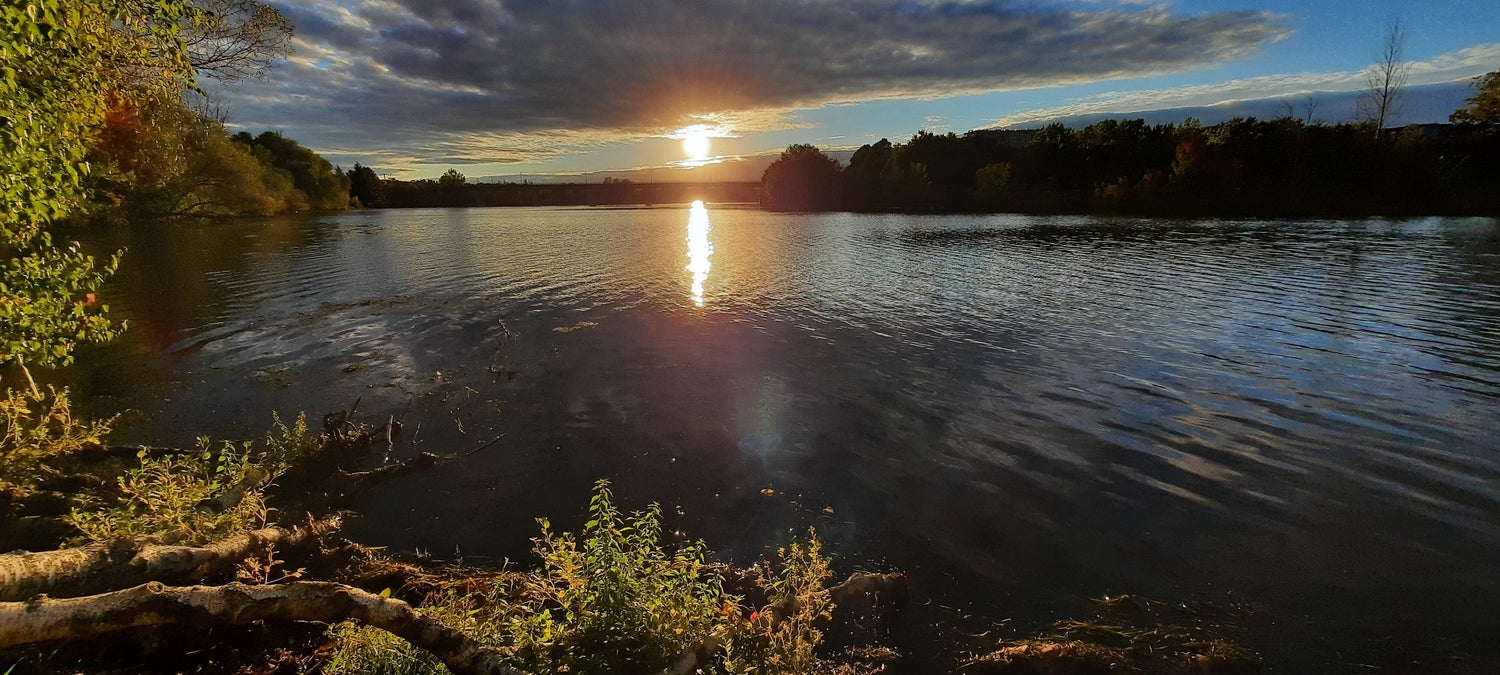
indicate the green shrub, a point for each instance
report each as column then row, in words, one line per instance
column 614, row 596
column 186, row 499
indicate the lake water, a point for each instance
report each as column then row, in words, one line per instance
column 1019, row 412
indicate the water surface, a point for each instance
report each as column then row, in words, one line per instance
column 1020, row 412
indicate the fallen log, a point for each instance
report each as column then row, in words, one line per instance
column 44, row 619
column 101, row 567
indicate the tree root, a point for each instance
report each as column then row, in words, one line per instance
column 96, row 568
column 43, row 619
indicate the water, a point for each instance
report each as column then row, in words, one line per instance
column 1020, row 412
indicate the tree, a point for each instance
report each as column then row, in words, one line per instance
column 801, row 179
column 991, row 181
column 366, row 186
column 1484, row 106
column 162, row 158
column 1385, row 81
column 452, row 179
column 326, row 188
column 63, row 61
column 236, row 39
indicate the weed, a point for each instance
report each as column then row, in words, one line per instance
column 783, row 638
column 37, row 432
column 189, row 499
column 613, row 600
column 614, row 596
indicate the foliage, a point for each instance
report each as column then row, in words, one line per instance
column 1484, row 105
column 801, row 179
column 614, row 600
column 613, row 595
column 37, row 431
column 787, row 645
column 47, row 302
column 992, row 180
column 327, row 189
column 200, row 497
column 366, row 187
column 1243, row 165
column 160, row 158
column 59, row 64
column 452, row 179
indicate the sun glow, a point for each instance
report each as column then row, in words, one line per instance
column 695, row 143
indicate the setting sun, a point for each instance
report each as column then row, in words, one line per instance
column 695, row 144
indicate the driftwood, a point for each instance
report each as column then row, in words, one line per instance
column 96, row 568
column 43, row 619
column 348, row 483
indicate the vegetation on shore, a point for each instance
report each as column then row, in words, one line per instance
column 1283, row 166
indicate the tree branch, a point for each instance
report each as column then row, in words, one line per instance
column 44, row 619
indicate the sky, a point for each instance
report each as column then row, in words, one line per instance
column 511, row 88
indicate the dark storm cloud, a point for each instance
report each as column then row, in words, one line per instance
column 425, row 68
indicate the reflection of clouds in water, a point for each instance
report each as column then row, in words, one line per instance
column 699, row 249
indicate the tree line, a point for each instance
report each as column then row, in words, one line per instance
column 454, row 189
column 1282, row 166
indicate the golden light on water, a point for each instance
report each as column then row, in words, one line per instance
column 699, row 248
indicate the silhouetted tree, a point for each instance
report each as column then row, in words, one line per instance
column 1385, row 80
column 452, row 179
column 366, row 187
column 801, row 179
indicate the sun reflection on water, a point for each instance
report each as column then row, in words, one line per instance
column 699, row 248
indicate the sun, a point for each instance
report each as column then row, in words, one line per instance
column 695, row 144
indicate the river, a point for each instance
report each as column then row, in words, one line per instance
column 1020, row 412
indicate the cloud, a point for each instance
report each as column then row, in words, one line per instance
column 1332, row 92
column 414, row 77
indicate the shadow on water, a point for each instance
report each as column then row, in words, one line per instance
column 1020, row 412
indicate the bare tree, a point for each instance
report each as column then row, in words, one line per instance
column 1385, row 80
column 237, row 39
column 1309, row 106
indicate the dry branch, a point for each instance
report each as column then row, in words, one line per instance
column 348, row 483
column 96, row 568
column 44, row 619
